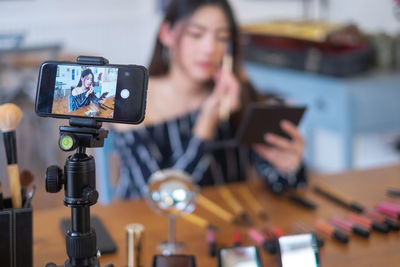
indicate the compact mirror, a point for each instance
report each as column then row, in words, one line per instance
column 171, row 193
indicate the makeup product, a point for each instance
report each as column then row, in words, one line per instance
column 212, row 245
column 338, row 197
column 252, row 202
column 330, row 231
column 375, row 216
column 302, row 201
column 388, row 211
column 29, row 197
column 393, row 192
column 214, row 208
column 227, row 65
column 259, row 239
column 236, row 207
column 269, row 235
column 301, row 228
column 278, row 232
column 367, row 223
column 349, row 227
column 1, row 197
column 134, row 245
column 391, row 205
column 237, row 237
column 10, row 116
column 26, row 177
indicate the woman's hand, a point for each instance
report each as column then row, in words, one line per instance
column 91, row 90
column 285, row 155
column 226, row 91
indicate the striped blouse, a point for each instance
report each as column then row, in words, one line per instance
column 171, row 144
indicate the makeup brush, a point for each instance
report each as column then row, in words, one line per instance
column 10, row 116
column 235, row 205
column 227, row 65
column 338, row 197
column 254, row 204
column 26, row 177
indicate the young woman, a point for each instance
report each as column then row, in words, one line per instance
column 83, row 93
column 186, row 90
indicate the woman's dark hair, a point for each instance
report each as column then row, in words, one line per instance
column 83, row 75
column 179, row 10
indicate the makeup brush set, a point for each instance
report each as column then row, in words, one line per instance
column 16, row 241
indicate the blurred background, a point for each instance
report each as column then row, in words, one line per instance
column 341, row 58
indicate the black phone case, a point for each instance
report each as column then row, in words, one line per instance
column 142, row 104
column 105, row 243
column 261, row 119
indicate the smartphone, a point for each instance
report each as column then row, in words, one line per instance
column 239, row 256
column 298, row 250
column 63, row 91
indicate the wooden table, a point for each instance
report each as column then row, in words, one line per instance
column 105, row 110
column 366, row 186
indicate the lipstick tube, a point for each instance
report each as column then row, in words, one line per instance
column 367, row 223
column 134, row 245
column 392, row 213
column 259, row 239
column 330, row 231
column 390, row 205
column 349, row 227
column 237, row 237
column 375, row 216
column 212, row 245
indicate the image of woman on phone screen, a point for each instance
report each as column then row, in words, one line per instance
column 83, row 93
column 188, row 88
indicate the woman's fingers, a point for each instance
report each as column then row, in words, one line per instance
column 293, row 131
column 279, row 142
column 282, row 160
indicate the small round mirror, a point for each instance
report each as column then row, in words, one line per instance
column 171, row 193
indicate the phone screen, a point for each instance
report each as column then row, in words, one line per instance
column 78, row 87
column 108, row 93
column 298, row 250
column 239, row 257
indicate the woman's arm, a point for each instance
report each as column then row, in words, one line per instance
column 79, row 101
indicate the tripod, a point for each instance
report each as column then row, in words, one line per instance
column 79, row 181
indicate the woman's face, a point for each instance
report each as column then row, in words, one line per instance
column 87, row 80
column 199, row 48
